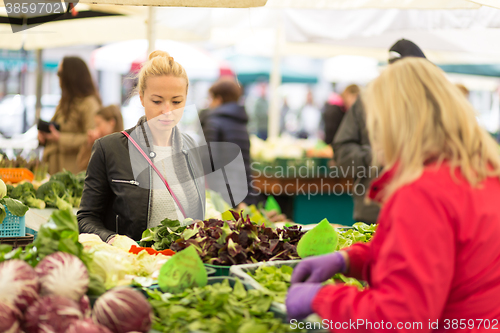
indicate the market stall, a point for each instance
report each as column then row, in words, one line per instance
column 303, row 178
column 105, row 284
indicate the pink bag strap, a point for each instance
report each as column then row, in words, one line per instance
column 157, row 172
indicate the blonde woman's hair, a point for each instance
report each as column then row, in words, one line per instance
column 160, row 63
column 415, row 115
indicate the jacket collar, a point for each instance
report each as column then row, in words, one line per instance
column 377, row 187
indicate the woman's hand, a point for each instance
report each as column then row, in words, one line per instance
column 321, row 268
column 54, row 134
column 41, row 137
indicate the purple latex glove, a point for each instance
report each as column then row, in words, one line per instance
column 319, row 269
column 299, row 299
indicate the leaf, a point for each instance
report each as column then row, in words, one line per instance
column 239, row 290
column 15, row 207
column 3, row 213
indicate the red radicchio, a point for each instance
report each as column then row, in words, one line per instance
column 122, row 310
column 85, row 306
column 86, row 326
column 63, row 274
column 51, row 314
column 9, row 318
column 18, row 283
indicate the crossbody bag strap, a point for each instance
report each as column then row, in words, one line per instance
column 157, row 172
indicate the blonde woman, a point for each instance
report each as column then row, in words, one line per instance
column 435, row 259
column 138, row 177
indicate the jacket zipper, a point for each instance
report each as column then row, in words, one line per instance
column 184, row 151
column 133, row 182
column 150, row 192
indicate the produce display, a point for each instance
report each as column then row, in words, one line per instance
column 227, row 242
column 63, row 190
column 123, row 263
column 215, row 308
column 33, row 164
column 276, row 280
column 51, row 298
column 287, row 147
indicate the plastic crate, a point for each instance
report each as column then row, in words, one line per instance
column 219, row 270
column 241, row 272
column 16, row 175
column 16, row 242
column 12, row 226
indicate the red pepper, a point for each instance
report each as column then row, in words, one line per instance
column 136, row 249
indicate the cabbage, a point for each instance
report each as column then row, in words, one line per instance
column 148, row 264
column 3, row 189
column 122, row 310
column 18, row 283
column 123, row 242
column 84, row 326
column 51, row 314
column 111, row 264
column 9, row 318
column 63, row 274
column 89, row 240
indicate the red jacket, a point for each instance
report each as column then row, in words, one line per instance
column 435, row 257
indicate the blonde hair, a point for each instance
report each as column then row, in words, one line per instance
column 160, row 63
column 415, row 115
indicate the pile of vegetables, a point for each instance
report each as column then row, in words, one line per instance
column 123, row 263
column 215, row 308
column 287, row 147
column 60, row 233
column 360, row 233
column 63, row 190
column 276, row 280
column 226, row 242
column 52, row 298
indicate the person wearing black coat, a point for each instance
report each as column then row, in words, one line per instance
column 226, row 121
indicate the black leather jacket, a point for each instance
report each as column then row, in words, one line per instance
column 113, row 202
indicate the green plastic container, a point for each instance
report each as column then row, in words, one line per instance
column 219, row 270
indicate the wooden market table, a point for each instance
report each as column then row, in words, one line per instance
column 309, row 200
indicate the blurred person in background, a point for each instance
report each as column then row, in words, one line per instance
column 108, row 120
column 309, row 118
column 283, row 113
column 261, row 112
column 335, row 109
column 351, row 145
column 226, row 121
column 74, row 114
column 435, row 256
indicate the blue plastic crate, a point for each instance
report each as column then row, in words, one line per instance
column 12, row 226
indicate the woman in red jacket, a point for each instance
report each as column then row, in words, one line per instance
column 434, row 262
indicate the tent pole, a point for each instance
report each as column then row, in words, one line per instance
column 275, row 82
column 39, row 82
column 151, row 29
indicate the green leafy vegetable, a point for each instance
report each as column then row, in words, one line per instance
column 238, row 242
column 276, row 280
column 215, row 308
column 161, row 237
